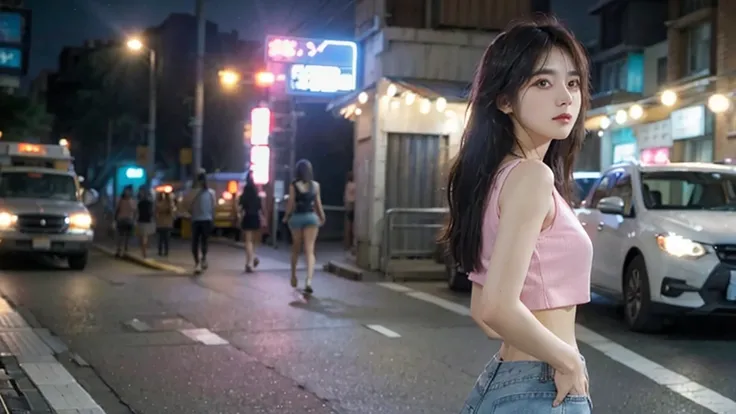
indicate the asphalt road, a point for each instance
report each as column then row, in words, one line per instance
column 227, row 342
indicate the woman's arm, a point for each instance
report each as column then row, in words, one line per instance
column 476, row 308
column 289, row 203
column 525, row 201
column 318, row 203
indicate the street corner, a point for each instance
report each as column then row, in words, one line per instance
column 144, row 262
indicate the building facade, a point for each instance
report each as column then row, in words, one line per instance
column 685, row 111
column 418, row 59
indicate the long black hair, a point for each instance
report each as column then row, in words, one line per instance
column 505, row 69
column 303, row 170
column 250, row 191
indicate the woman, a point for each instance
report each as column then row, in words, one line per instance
column 124, row 220
column 165, row 211
column 252, row 213
column 144, row 224
column 304, row 215
column 202, row 211
column 511, row 221
column 349, row 199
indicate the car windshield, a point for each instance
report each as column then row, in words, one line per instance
column 583, row 186
column 38, row 185
column 689, row 190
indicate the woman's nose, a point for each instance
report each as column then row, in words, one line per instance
column 564, row 97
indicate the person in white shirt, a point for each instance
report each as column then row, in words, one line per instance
column 202, row 201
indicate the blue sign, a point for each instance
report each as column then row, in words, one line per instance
column 11, row 27
column 315, row 66
column 11, row 58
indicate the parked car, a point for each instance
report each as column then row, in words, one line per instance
column 664, row 240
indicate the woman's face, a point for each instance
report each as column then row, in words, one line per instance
column 549, row 104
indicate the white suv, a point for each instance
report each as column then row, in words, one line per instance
column 664, row 240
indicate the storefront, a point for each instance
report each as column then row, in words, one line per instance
column 692, row 134
column 623, row 145
column 654, row 141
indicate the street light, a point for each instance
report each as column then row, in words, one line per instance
column 135, row 44
column 229, row 78
column 64, row 142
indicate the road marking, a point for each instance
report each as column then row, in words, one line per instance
column 383, row 331
column 679, row 384
column 204, row 336
column 395, row 287
column 441, row 302
column 34, row 351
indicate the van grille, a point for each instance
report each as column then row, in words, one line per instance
column 42, row 223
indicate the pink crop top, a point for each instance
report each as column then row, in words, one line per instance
column 559, row 271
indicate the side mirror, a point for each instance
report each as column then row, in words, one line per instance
column 611, row 205
column 89, row 197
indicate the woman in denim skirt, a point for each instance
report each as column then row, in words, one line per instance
column 511, row 222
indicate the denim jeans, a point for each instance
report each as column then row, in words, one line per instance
column 520, row 387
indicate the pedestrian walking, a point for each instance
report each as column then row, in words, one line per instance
column 511, row 222
column 304, row 215
column 165, row 211
column 252, row 220
column 202, row 204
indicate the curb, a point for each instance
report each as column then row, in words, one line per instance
column 344, row 270
column 148, row 263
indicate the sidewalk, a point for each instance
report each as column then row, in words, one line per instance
column 223, row 255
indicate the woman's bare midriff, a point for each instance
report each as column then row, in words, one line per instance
column 560, row 321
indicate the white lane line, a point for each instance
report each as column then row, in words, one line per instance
column 395, row 287
column 36, row 358
column 204, row 336
column 657, row 373
column 441, row 302
column 383, row 331
column 679, row 384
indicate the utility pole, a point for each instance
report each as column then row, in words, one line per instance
column 198, row 91
column 151, row 155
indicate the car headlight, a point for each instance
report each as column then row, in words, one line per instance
column 80, row 221
column 679, row 246
column 7, row 220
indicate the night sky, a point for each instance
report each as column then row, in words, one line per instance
column 58, row 23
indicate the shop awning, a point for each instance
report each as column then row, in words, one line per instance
column 432, row 89
column 429, row 88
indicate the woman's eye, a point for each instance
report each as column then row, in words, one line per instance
column 543, row 83
column 574, row 83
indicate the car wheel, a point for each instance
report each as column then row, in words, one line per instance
column 638, row 299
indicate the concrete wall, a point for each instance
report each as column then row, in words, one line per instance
column 393, row 116
column 421, row 53
column 652, row 55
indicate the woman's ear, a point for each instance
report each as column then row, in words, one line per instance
column 504, row 105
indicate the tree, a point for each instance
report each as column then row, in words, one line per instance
column 102, row 112
column 22, row 120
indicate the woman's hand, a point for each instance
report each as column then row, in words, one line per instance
column 573, row 383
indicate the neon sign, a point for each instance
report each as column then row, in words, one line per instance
column 260, row 160
column 315, row 66
column 134, row 172
column 260, row 121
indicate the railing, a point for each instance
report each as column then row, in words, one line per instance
column 410, row 233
